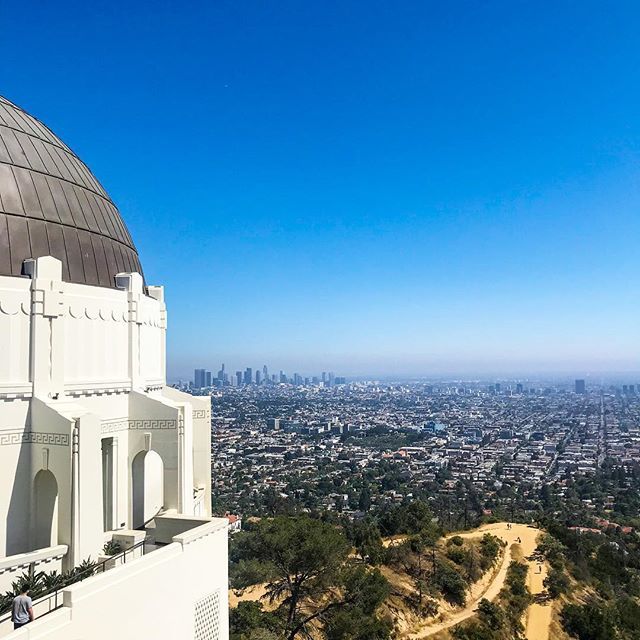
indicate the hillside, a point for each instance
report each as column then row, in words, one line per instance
column 432, row 583
column 297, row 576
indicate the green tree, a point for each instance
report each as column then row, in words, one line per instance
column 591, row 621
column 364, row 500
column 556, row 582
column 311, row 575
column 367, row 541
column 248, row 622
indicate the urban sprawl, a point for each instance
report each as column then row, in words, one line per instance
column 327, row 444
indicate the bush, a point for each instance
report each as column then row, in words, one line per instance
column 112, row 548
column 588, row 622
column 556, row 583
column 457, row 555
column 490, row 546
column 491, row 614
column 451, row 584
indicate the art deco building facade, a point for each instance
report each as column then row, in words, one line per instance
column 94, row 447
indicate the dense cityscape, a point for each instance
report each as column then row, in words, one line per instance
column 324, row 445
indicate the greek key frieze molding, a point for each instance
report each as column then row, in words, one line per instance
column 113, row 426
column 33, row 437
column 152, row 424
column 201, row 413
column 124, row 424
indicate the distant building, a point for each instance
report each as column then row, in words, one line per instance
column 248, row 375
column 580, row 386
column 198, row 378
column 258, row 378
column 239, row 378
column 235, row 523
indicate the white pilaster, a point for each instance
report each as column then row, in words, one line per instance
column 132, row 284
column 47, row 331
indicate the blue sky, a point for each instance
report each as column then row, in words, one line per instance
column 367, row 187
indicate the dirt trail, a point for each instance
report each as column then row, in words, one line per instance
column 539, row 613
column 539, row 616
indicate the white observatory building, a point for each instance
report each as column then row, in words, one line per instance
column 95, row 449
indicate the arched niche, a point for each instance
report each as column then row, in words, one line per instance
column 147, row 480
column 45, row 524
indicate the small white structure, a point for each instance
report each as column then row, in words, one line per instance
column 93, row 444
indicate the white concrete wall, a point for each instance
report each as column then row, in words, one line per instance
column 201, row 406
column 95, row 321
column 163, row 595
column 94, row 338
column 15, row 329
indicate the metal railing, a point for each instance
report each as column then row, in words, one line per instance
column 54, row 600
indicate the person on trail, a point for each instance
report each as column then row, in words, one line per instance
column 22, row 609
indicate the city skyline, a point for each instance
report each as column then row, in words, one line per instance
column 436, row 188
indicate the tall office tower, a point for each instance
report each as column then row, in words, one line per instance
column 94, row 447
column 274, row 378
column 324, row 377
column 625, row 389
column 315, row 380
column 265, row 374
column 221, row 373
column 207, row 378
column 198, row 378
column 258, row 377
column 332, row 378
column 283, row 378
column 580, row 387
column 248, row 375
column 632, row 388
column 239, row 378
column 498, row 387
column 297, row 379
column 519, row 387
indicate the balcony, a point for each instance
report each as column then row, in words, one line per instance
column 183, row 562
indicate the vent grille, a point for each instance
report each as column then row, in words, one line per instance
column 207, row 617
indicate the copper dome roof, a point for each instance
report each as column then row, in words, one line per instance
column 51, row 204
